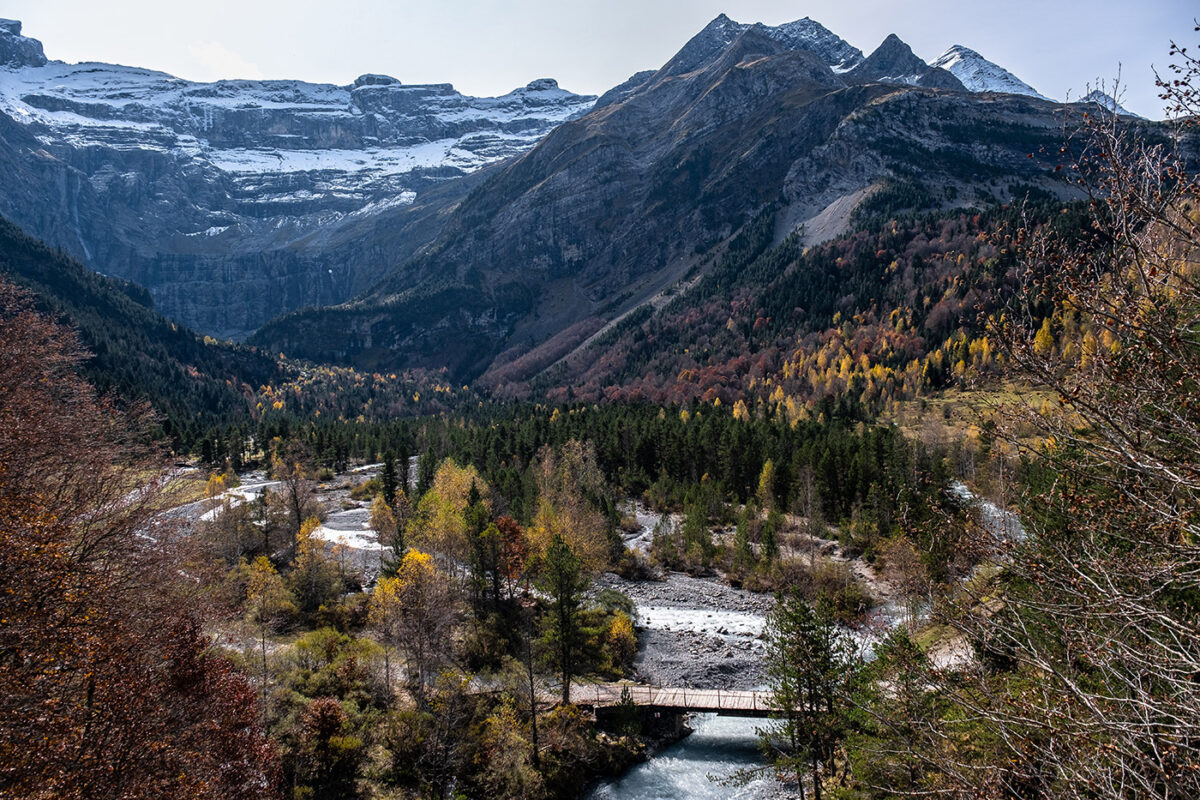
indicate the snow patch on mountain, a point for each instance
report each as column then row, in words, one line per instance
column 803, row 34
column 808, row 34
column 363, row 138
column 980, row 75
column 1107, row 102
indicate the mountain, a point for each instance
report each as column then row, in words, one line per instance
column 894, row 62
column 978, row 74
column 136, row 354
column 707, row 45
column 1107, row 102
column 632, row 201
column 235, row 200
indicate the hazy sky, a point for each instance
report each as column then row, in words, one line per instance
column 487, row 47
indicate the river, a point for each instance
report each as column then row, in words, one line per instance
column 719, row 747
column 698, row 633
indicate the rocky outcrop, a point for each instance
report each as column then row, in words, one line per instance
column 17, row 50
column 894, row 62
column 235, row 201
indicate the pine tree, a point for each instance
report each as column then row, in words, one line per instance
column 388, row 477
column 561, row 578
column 811, row 672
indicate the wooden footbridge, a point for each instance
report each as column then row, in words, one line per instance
column 726, row 702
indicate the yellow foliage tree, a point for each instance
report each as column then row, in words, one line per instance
column 413, row 611
column 439, row 524
column 566, row 479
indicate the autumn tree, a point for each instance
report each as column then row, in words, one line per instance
column 391, row 522
column 291, row 465
column 514, row 553
column 107, row 685
column 440, row 522
column 314, row 579
column 1096, row 606
column 269, row 605
column 570, row 490
column 329, row 751
column 766, row 486
column 419, row 610
column 386, row 619
column 903, row 569
column 387, row 530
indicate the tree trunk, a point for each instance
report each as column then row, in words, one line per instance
column 537, row 761
column 263, row 640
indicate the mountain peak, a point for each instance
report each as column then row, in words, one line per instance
column 895, row 62
column 802, row 34
column 980, row 75
column 808, row 34
column 17, row 50
column 1107, row 102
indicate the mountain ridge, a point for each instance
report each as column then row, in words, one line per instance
column 234, row 184
column 617, row 206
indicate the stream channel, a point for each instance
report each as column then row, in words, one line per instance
column 699, row 633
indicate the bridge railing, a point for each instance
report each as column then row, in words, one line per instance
column 607, row 694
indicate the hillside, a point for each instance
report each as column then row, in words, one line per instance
column 136, row 354
column 654, row 184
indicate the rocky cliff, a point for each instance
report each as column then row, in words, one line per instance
column 237, row 200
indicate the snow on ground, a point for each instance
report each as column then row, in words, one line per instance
column 391, row 161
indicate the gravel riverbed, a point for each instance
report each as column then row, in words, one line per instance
column 696, row 632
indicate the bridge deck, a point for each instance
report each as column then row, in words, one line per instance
column 726, row 701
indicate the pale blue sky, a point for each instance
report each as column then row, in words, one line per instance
column 488, row 47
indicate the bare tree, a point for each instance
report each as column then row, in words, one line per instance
column 1094, row 617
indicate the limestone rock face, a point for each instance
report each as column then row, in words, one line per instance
column 17, row 50
column 238, row 200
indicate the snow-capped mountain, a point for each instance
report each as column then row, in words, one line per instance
column 363, row 136
column 803, row 34
column 1107, row 102
column 172, row 171
column 980, row 75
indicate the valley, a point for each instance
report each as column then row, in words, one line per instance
column 365, row 439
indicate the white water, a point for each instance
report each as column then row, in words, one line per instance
column 720, row 747
column 700, row 620
column 1004, row 525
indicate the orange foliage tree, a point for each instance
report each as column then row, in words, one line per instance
column 106, row 687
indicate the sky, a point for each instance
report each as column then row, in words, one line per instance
column 489, row 47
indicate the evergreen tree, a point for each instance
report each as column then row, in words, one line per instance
column 388, row 477
column 811, row 672
column 561, row 578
